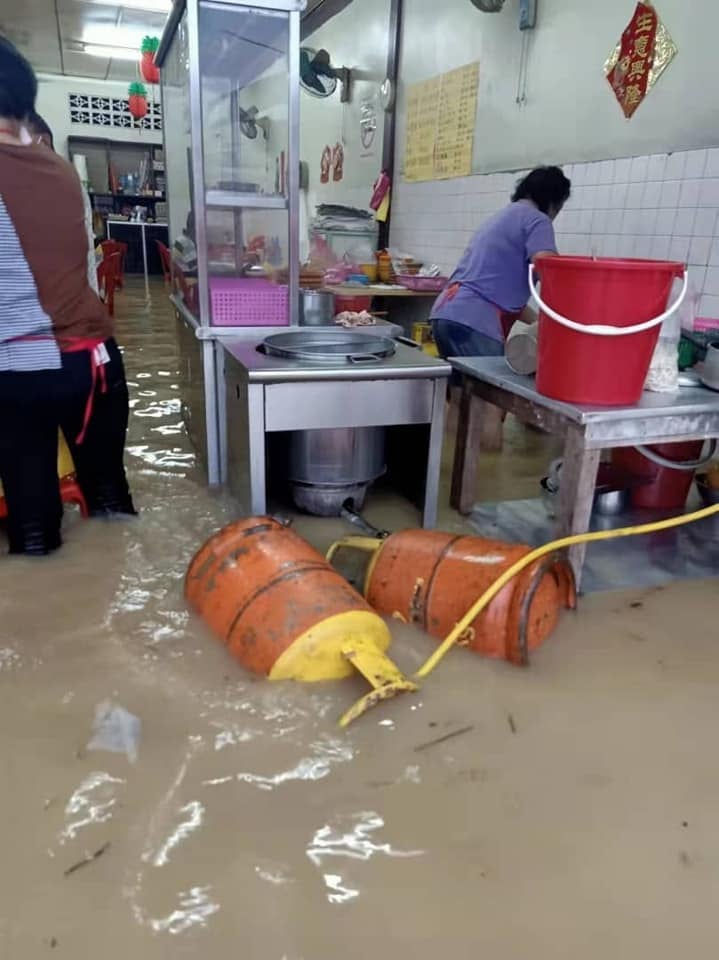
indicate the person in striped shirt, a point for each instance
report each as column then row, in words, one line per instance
column 60, row 366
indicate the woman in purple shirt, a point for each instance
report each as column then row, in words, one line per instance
column 489, row 289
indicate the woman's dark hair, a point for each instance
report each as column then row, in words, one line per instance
column 546, row 187
column 18, row 86
column 39, row 127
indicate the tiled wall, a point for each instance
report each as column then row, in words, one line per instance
column 660, row 206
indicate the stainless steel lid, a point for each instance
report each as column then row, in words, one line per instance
column 325, row 345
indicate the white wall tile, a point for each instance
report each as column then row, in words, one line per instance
column 684, row 222
column 674, row 169
column 652, row 193
column 603, row 195
column 709, row 307
column 709, row 192
column 665, row 221
column 638, row 172
column 670, row 193
column 699, row 250
column 714, row 254
column 647, row 222
column 622, row 169
column 630, row 221
column 712, row 167
column 660, row 248
column 705, row 222
column 679, row 249
column 656, row 167
column 618, row 196
column 635, row 192
column 614, row 221
column 579, row 174
column 643, row 247
column 606, row 171
column 591, row 177
column 697, row 279
column 585, row 221
column 696, row 161
column 689, row 193
column 599, row 221
column 711, row 284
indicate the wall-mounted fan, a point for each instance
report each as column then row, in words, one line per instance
column 250, row 123
column 319, row 78
column 488, row 6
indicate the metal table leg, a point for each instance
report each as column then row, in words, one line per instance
column 434, row 456
column 257, row 451
column 576, row 494
column 144, row 259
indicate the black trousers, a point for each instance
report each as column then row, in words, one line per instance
column 32, row 408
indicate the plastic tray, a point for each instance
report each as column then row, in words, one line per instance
column 422, row 284
column 248, row 302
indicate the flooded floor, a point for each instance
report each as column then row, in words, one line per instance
column 577, row 817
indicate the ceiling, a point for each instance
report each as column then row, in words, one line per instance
column 51, row 32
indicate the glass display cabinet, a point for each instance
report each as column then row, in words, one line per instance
column 230, row 94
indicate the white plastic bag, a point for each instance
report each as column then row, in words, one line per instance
column 116, row 730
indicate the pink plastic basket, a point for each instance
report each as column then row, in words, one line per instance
column 421, row 284
column 248, row 302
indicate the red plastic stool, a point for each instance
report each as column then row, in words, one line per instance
column 70, row 492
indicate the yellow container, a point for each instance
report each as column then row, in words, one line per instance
column 370, row 270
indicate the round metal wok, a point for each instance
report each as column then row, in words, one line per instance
column 323, row 345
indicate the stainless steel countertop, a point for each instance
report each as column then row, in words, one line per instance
column 408, row 363
column 687, row 401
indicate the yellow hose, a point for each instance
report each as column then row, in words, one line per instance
column 530, row 558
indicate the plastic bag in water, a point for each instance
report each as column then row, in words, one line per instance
column 115, row 729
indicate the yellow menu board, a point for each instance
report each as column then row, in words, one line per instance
column 440, row 125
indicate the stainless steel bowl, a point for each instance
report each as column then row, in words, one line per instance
column 609, row 503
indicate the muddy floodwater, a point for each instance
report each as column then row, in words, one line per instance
column 157, row 802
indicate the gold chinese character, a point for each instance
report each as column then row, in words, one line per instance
column 641, row 46
column 633, row 95
column 645, row 23
column 638, row 69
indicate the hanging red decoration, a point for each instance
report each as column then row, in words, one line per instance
column 137, row 100
column 148, row 68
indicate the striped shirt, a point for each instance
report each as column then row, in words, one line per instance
column 46, row 301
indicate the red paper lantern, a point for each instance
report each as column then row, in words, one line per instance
column 137, row 100
column 148, row 68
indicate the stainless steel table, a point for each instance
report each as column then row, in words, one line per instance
column 267, row 394
column 689, row 414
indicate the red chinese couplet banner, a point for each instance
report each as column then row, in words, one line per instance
column 629, row 77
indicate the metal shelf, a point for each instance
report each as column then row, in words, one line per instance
column 229, row 199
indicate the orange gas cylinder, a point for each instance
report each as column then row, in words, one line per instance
column 284, row 612
column 432, row 579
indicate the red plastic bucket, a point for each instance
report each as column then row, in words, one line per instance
column 598, row 325
column 660, row 487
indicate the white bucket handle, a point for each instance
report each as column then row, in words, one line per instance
column 601, row 329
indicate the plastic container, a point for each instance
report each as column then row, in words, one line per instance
column 598, row 325
column 246, row 302
column 422, row 284
column 352, row 304
column 656, row 487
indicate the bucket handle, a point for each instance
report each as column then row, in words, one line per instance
column 604, row 330
column 678, row 464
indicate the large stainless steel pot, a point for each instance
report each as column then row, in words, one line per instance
column 329, row 467
column 317, row 308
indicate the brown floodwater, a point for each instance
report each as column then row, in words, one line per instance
column 577, row 818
